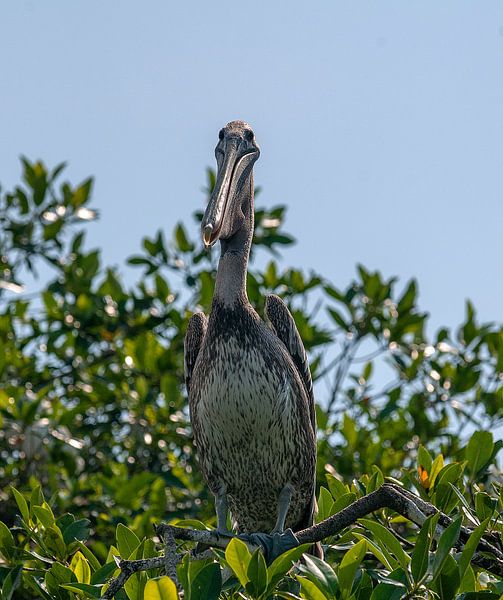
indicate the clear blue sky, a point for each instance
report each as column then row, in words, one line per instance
column 380, row 124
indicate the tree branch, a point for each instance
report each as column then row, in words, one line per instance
column 128, row 568
column 388, row 495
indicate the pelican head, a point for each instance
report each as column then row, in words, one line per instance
column 236, row 153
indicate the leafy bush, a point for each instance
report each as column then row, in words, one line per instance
column 95, row 440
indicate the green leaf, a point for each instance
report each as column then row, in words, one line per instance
column 375, row 481
column 6, row 542
column 388, row 591
column 479, row 450
column 161, row 588
column 283, row 563
column 367, row 370
column 192, row 523
column 195, row 567
column 36, row 585
column 325, row 503
column 349, row 430
column 342, row 502
column 424, row 458
column 83, row 589
column 436, row 466
column 238, row 557
column 44, row 515
column 336, row 486
column 406, row 302
column 150, row 246
column 135, row 585
column 420, row 555
column 468, row 581
column 53, row 539
column 162, row 287
column 309, row 590
column 127, row 540
column 207, row 584
column 102, row 574
column 444, row 498
column 81, row 194
column 57, row 171
column 183, row 243
column 447, row 582
column 11, row 582
column 22, row 505
column 450, row 473
column 349, row 565
column 471, row 546
column 62, row 574
column 36, row 498
column 334, row 293
column 447, row 540
column 386, row 537
column 320, row 573
column 78, row 530
column 257, row 573
column 338, row 319
column 484, row 505
column 80, row 567
column 139, row 260
column 381, row 554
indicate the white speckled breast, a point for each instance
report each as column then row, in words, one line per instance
column 251, row 424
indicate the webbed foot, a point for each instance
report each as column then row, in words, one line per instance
column 272, row 544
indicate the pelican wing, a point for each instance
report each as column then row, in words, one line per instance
column 196, row 331
column 284, row 326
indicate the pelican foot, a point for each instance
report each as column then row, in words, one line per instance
column 222, row 507
column 273, row 544
column 284, row 500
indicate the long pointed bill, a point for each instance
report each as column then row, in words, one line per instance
column 215, row 211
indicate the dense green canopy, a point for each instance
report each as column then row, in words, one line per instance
column 96, row 440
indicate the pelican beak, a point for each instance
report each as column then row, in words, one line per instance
column 214, row 216
column 207, row 231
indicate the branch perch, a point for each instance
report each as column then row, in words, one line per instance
column 388, row 495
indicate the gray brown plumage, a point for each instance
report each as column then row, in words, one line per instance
column 250, row 390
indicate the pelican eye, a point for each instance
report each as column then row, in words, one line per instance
column 221, row 134
column 249, row 135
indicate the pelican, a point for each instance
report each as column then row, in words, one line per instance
column 250, row 390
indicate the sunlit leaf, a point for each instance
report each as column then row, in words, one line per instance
column 22, row 505
column 127, row 540
column 162, row 588
column 80, row 567
column 238, row 556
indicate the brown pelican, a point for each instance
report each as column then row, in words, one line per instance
column 250, row 391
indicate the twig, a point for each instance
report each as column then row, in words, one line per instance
column 128, row 568
column 170, row 556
